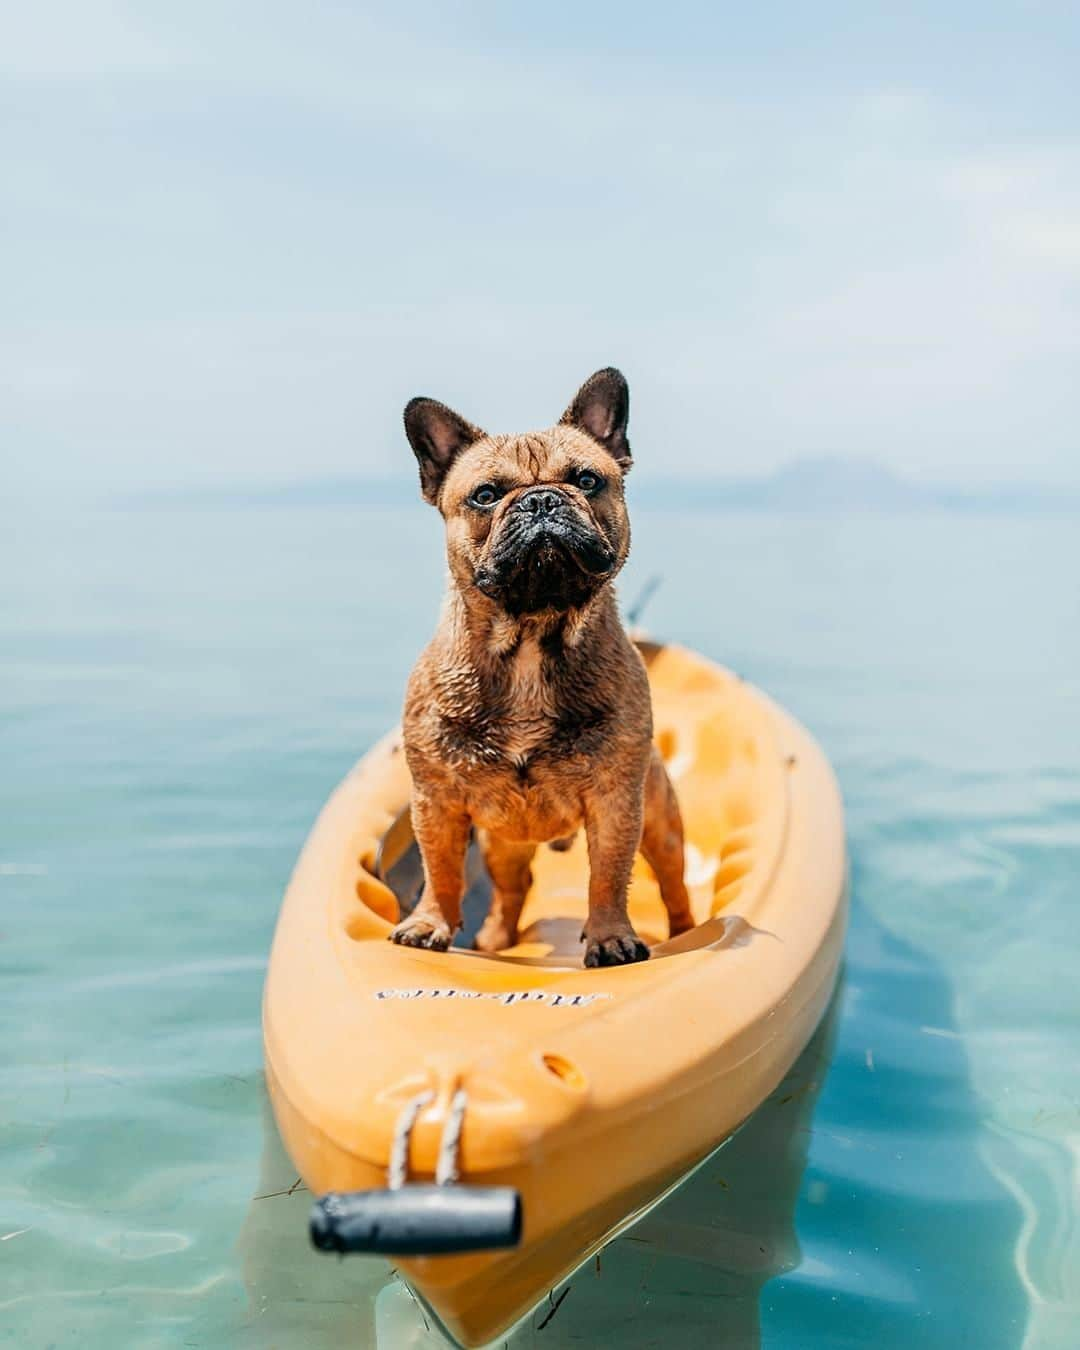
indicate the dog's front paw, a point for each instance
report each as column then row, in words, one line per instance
column 418, row 930
column 619, row 948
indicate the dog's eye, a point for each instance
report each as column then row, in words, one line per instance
column 487, row 494
column 588, row 481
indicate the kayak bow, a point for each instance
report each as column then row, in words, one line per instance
column 536, row 1106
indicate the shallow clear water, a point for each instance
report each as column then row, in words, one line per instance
column 180, row 691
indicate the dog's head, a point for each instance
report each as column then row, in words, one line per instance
column 536, row 522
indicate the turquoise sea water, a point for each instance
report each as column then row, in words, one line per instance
column 180, row 691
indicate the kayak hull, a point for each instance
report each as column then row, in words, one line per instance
column 591, row 1092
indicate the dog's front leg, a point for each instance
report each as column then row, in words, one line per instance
column 612, row 828
column 442, row 831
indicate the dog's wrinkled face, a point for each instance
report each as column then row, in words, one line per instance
column 536, row 523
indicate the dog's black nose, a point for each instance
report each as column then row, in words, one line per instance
column 540, row 501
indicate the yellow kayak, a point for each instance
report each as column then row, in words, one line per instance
column 552, row 1104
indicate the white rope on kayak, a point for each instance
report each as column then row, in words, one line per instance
column 446, row 1167
column 398, row 1171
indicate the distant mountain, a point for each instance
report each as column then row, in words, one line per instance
column 850, row 484
column 818, row 483
column 812, row 484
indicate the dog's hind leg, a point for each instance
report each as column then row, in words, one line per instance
column 508, row 867
column 662, row 845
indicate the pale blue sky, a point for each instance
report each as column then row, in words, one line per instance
column 237, row 236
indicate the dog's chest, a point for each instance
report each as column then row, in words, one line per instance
column 517, row 772
column 531, row 712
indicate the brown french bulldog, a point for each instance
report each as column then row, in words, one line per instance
column 528, row 715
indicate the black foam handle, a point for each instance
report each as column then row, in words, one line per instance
column 421, row 1220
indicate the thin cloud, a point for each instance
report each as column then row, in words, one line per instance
column 239, row 237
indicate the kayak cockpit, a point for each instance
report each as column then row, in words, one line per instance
column 719, row 748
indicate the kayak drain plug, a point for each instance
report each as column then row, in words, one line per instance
column 420, row 1220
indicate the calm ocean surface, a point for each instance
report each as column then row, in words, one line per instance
column 180, row 690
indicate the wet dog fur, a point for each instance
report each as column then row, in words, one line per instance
column 528, row 715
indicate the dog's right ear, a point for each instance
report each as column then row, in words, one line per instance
column 437, row 435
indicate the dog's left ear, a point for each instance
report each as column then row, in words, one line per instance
column 601, row 408
column 437, row 435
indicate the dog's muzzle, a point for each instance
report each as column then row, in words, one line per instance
column 547, row 523
column 548, row 554
column 539, row 502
